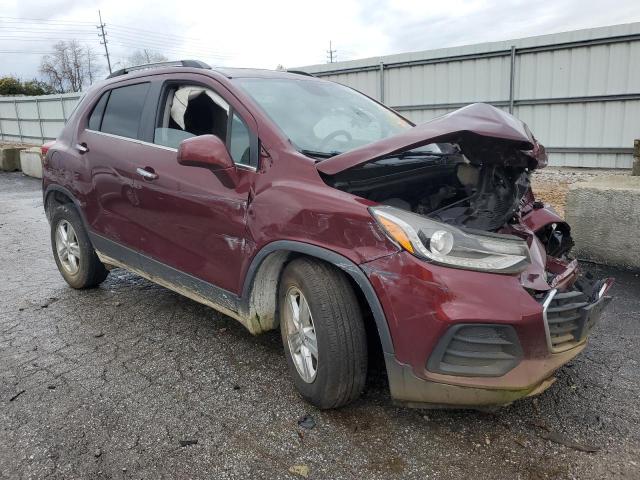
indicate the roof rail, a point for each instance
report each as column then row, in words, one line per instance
column 176, row 63
column 300, row 72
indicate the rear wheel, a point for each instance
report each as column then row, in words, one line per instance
column 323, row 333
column 75, row 257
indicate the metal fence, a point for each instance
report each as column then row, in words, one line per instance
column 579, row 92
column 35, row 119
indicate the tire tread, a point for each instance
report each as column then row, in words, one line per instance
column 336, row 306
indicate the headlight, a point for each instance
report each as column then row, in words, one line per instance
column 451, row 246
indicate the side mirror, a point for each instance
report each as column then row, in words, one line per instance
column 204, row 151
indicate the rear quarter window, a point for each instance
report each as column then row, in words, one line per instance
column 124, row 110
column 95, row 120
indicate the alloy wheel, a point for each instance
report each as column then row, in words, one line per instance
column 301, row 335
column 67, row 247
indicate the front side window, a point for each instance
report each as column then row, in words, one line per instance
column 123, row 110
column 322, row 117
column 190, row 111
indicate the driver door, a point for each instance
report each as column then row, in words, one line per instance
column 193, row 219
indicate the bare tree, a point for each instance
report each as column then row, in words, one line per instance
column 70, row 67
column 140, row 57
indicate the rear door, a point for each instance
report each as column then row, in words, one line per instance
column 111, row 140
column 189, row 217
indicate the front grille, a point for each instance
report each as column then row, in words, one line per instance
column 476, row 350
column 565, row 322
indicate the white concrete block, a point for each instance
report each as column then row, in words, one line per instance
column 31, row 162
column 9, row 158
column 603, row 214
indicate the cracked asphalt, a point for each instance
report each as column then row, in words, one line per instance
column 131, row 380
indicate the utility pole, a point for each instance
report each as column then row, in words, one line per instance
column 90, row 72
column 104, row 40
column 331, row 53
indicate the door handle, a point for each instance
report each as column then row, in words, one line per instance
column 147, row 173
column 82, row 147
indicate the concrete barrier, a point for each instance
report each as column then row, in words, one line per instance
column 31, row 162
column 605, row 220
column 10, row 158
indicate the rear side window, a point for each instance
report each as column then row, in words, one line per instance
column 124, row 109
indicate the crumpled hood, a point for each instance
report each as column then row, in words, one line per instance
column 473, row 128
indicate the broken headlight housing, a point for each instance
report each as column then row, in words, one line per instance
column 450, row 246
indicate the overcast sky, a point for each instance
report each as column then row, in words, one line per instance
column 292, row 33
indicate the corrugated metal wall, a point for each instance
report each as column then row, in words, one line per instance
column 579, row 92
column 35, row 119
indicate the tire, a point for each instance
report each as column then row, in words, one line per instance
column 336, row 320
column 87, row 271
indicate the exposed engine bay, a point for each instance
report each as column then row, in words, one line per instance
column 443, row 186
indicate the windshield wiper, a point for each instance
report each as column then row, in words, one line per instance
column 316, row 154
column 413, row 153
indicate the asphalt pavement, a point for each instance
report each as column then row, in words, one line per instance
column 131, row 380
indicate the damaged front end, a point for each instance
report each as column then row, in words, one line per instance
column 464, row 175
column 456, row 192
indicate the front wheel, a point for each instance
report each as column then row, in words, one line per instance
column 323, row 333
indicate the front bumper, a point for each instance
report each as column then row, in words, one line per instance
column 422, row 301
column 409, row 390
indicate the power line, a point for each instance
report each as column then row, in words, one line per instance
column 154, row 45
column 36, row 29
column 104, row 40
column 331, row 54
column 160, row 34
column 129, row 43
column 43, row 20
column 170, row 51
column 27, row 39
column 23, row 25
column 129, row 37
column 126, row 40
column 157, row 43
column 122, row 40
column 24, row 52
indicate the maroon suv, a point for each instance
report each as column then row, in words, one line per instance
column 287, row 201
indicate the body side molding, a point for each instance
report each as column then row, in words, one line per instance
column 183, row 283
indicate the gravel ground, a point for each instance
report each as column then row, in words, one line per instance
column 551, row 184
column 123, row 380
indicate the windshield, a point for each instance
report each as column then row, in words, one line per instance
column 323, row 118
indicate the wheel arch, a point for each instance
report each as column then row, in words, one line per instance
column 56, row 195
column 259, row 291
